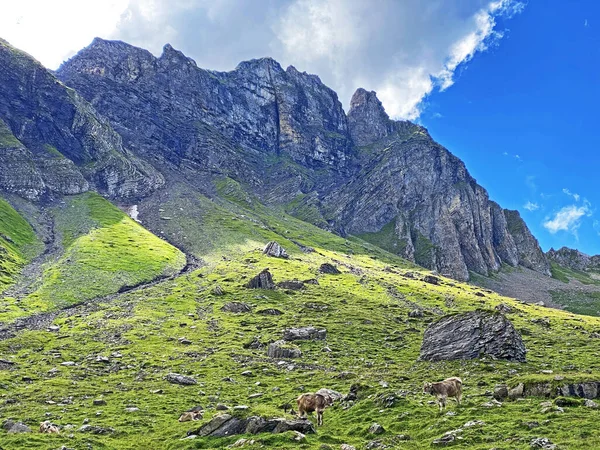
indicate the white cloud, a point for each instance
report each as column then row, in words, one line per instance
column 404, row 50
column 570, row 194
column 567, row 219
column 52, row 31
column 531, row 206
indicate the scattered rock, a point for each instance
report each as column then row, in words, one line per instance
column 53, row 328
column 236, row 307
column 275, row 250
column 176, row 378
column 93, row 429
column 221, row 407
column 543, row 443
column 500, row 392
column 329, row 269
column 298, row 437
column 376, row 429
column 415, row 313
column 184, row 341
column 503, row 308
column 305, row 334
column 242, row 443
column 446, row 439
column 263, row 280
column 590, row 403
column 227, row 425
column 68, row 363
column 218, row 290
column 281, row 349
column 270, row 312
column 293, row 285
column 543, row 322
column 471, row 335
column 516, row 392
column 254, row 343
column 347, row 447
column 431, row 279
column 15, row 427
column 99, row 402
column 474, row 423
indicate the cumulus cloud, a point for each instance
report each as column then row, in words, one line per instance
column 404, row 50
column 567, row 219
column 529, row 206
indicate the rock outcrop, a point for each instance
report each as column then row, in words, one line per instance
column 471, row 335
column 574, row 259
column 280, row 135
column 54, row 142
column 228, row 425
column 264, row 280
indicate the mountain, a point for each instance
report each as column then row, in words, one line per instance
column 283, row 136
column 137, row 196
column 574, row 259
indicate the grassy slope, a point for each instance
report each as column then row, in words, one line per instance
column 18, row 244
column 369, row 334
column 104, row 250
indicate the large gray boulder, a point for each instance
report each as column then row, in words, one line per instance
column 304, row 334
column 227, row 425
column 263, row 280
column 471, row 335
column 275, row 250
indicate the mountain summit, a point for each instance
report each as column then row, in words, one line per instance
column 281, row 136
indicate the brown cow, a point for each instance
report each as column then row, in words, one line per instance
column 450, row 387
column 48, row 427
column 309, row 402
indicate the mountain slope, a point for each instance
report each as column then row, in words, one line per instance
column 283, row 137
column 53, row 140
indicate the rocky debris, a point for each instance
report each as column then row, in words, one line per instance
column 53, row 328
column 330, row 395
column 329, row 269
column 543, row 443
column 263, row 280
column 99, row 402
column 375, row 428
column 293, row 285
column 254, row 344
column 298, row 437
column 275, row 250
column 183, row 380
column 500, row 392
column 573, row 259
column 590, row 404
column 184, row 341
column 11, row 426
column 543, row 322
column 516, row 392
column 270, row 312
column 446, row 439
column 347, row 447
column 503, row 308
column 242, row 443
column 236, row 307
column 281, row 349
column 221, row 407
column 93, row 429
column 415, row 313
column 471, row 335
column 218, row 290
column 431, row 279
column 228, row 425
column 304, row 334
column 588, row 389
column 473, row 423
column 492, row 404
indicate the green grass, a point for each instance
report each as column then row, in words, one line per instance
column 18, row 244
column 7, row 139
column 369, row 334
column 386, row 239
column 565, row 274
column 104, row 251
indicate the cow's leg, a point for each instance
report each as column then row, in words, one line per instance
column 319, row 417
column 459, row 397
column 442, row 402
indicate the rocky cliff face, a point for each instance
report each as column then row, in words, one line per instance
column 574, row 259
column 283, row 136
column 54, row 141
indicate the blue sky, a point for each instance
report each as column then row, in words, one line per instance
column 509, row 86
column 524, row 118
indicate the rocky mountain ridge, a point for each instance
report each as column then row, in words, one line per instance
column 574, row 259
column 281, row 135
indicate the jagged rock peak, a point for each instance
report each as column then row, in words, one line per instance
column 253, row 65
column 367, row 119
column 573, row 259
column 177, row 56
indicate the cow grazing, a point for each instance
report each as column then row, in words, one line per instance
column 450, row 387
column 308, row 403
column 48, row 427
column 191, row 414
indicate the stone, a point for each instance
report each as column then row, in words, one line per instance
column 228, row 425
column 543, row 443
column 54, row 328
column 236, row 307
column 218, row 290
column 270, row 312
column 329, row 269
column 415, row 313
column 177, row 378
column 293, row 285
column 281, row 349
column 221, row 407
column 375, row 428
column 504, row 308
column 275, row 250
column 445, row 440
column 500, row 392
column 590, row 404
column 93, row 429
column 99, row 402
column 15, row 427
column 516, row 392
column 304, row 334
column 471, row 335
column 264, row 280
column 347, row 447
